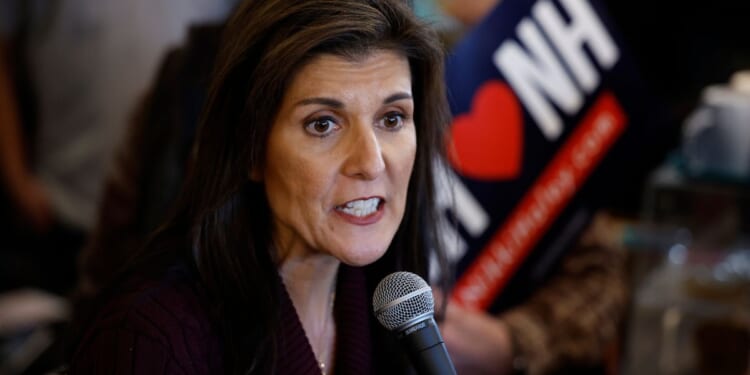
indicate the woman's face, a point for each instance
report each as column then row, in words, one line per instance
column 339, row 157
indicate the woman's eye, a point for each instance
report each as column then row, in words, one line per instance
column 321, row 127
column 393, row 121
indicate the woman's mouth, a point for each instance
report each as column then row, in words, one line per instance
column 361, row 207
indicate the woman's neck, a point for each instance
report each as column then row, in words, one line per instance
column 311, row 283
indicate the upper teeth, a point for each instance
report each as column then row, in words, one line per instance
column 360, row 208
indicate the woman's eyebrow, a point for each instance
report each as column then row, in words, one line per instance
column 321, row 100
column 396, row 97
column 338, row 104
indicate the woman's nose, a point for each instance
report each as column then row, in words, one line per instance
column 365, row 156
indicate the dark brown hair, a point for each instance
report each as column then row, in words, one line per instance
column 222, row 221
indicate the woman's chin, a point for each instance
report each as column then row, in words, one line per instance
column 361, row 257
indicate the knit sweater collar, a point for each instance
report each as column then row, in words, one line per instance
column 353, row 338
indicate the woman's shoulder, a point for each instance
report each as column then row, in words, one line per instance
column 161, row 306
column 162, row 322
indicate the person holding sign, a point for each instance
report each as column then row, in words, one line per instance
column 567, row 319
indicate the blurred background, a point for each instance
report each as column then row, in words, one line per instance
column 99, row 100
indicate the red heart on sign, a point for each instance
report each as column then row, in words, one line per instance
column 487, row 143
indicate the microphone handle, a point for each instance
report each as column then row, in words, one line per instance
column 426, row 348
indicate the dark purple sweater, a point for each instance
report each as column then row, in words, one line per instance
column 161, row 327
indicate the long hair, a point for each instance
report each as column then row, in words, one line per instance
column 221, row 224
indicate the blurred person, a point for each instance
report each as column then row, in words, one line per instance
column 87, row 63
column 19, row 181
column 149, row 164
column 568, row 325
column 309, row 181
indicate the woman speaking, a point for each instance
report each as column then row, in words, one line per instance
column 311, row 178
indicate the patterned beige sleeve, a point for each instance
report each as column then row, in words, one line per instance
column 575, row 317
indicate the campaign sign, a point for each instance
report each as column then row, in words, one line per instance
column 549, row 117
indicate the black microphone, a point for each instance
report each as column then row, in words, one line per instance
column 404, row 305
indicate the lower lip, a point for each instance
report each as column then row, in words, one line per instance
column 363, row 220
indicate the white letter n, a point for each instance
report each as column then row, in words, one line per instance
column 534, row 74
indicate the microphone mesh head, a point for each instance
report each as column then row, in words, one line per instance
column 401, row 297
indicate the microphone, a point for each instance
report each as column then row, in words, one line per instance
column 403, row 304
